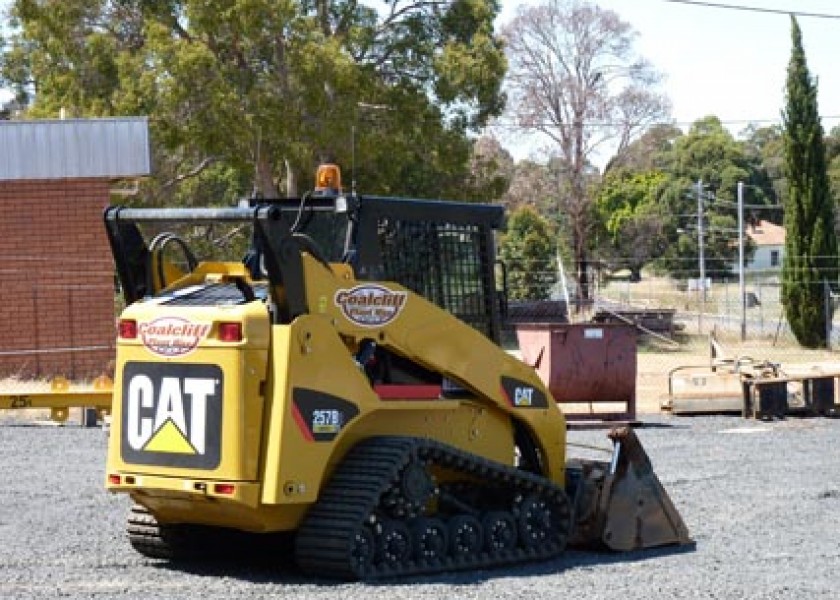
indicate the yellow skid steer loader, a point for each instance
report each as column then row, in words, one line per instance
column 344, row 384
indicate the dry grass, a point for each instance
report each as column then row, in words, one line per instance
column 655, row 360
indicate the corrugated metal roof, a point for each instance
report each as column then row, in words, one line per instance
column 69, row 148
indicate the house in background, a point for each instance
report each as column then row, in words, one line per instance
column 769, row 241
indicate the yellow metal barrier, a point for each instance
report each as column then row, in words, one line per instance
column 59, row 395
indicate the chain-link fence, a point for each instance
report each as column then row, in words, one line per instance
column 57, row 324
column 719, row 306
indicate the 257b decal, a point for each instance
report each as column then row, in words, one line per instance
column 321, row 416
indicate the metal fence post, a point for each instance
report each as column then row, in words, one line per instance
column 827, row 308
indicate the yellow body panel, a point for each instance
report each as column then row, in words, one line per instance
column 317, row 358
column 243, row 365
column 440, row 342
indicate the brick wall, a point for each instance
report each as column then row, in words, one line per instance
column 56, row 279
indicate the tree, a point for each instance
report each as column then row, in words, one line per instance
column 648, row 151
column 575, row 78
column 268, row 88
column 764, row 147
column 708, row 153
column 630, row 214
column 832, row 143
column 490, row 170
column 531, row 185
column 528, row 254
column 811, row 242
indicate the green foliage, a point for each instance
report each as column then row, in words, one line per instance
column 528, row 252
column 629, row 212
column 711, row 154
column 269, row 88
column 832, row 143
column 764, row 147
column 648, row 152
column 810, row 257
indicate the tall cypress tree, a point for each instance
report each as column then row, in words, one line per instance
column 810, row 244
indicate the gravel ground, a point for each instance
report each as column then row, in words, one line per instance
column 761, row 499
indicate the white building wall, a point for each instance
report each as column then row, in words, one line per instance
column 762, row 259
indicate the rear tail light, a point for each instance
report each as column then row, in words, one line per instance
column 226, row 489
column 128, row 329
column 230, row 332
column 114, row 479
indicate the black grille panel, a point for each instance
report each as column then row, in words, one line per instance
column 212, row 295
column 442, row 262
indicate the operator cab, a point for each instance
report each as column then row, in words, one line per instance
column 443, row 251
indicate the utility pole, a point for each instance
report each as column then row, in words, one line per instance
column 741, row 288
column 701, row 254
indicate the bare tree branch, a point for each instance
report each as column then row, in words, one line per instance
column 197, row 170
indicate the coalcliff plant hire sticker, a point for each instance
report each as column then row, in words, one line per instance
column 172, row 336
column 370, row 305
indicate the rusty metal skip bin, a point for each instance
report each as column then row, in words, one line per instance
column 584, row 364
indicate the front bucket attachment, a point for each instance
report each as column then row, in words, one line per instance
column 620, row 504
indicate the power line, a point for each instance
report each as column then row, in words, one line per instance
column 510, row 124
column 757, row 9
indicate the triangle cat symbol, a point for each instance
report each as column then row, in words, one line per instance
column 169, row 439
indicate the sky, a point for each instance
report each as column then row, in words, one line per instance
column 727, row 63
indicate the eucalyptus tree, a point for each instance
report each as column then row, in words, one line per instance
column 257, row 91
column 576, row 78
column 707, row 154
column 491, row 169
column 632, row 227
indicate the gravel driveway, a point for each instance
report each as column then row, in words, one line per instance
column 762, row 500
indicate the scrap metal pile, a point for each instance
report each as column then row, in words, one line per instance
column 758, row 389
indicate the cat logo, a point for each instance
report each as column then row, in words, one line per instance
column 519, row 394
column 523, row 396
column 171, row 415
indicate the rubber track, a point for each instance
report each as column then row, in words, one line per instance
column 368, row 472
column 144, row 533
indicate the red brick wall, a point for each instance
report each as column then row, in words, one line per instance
column 56, row 279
